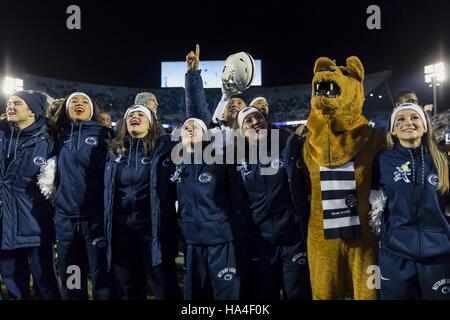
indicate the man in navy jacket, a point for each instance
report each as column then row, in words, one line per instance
column 27, row 224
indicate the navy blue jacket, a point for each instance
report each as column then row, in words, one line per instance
column 197, row 107
column 162, row 194
column 131, row 205
column 205, row 203
column 196, row 104
column 414, row 225
column 290, row 146
column 280, row 207
column 26, row 214
column 81, row 157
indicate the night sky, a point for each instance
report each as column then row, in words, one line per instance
column 123, row 42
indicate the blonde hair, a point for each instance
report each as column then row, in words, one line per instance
column 439, row 157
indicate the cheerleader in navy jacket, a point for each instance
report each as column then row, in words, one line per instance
column 81, row 150
column 414, row 257
column 280, row 209
column 139, row 156
column 208, row 216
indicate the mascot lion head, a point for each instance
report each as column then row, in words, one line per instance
column 338, row 91
column 337, row 129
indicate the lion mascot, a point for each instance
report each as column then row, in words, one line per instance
column 338, row 153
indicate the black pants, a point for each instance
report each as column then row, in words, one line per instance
column 275, row 268
column 403, row 279
column 15, row 266
column 132, row 267
column 81, row 248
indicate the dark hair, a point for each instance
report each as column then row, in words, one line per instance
column 401, row 93
column 150, row 139
column 53, row 108
column 103, row 115
column 61, row 120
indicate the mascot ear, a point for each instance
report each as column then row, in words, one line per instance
column 355, row 66
column 321, row 63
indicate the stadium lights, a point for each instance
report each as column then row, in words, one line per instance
column 11, row 85
column 434, row 75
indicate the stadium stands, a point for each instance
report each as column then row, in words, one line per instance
column 286, row 103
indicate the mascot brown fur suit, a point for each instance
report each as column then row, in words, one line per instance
column 338, row 152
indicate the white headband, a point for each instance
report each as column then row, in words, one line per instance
column 80, row 94
column 140, row 108
column 258, row 99
column 244, row 113
column 197, row 121
column 408, row 106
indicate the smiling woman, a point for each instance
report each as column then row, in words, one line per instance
column 139, row 125
column 414, row 175
column 81, row 150
column 132, row 197
column 80, row 107
column 409, row 128
column 409, row 125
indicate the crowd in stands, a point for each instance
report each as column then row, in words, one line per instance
column 286, row 103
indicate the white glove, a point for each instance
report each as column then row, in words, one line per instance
column 218, row 113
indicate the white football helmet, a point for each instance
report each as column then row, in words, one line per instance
column 238, row 73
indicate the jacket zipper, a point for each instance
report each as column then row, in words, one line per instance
column 417, row 187
column 111, row 209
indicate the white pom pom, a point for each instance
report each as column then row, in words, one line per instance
column 46, row 178
column 377, row 200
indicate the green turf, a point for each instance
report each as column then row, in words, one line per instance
column 179, row 262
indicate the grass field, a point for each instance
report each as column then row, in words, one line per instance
column 179, row 261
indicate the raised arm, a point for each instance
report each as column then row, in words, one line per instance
column 196, row 105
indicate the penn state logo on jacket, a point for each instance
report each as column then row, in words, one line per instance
column 205, row 177
column 433, row 179
column 39, row 161
column 166, row 162
column 92, row 141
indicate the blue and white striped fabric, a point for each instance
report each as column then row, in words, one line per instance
column 339, row 202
